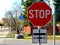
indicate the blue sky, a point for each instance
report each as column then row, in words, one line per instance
column 7, row 5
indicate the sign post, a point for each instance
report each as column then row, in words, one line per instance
column 39, row 35
column 54, row 29
column 21, row 21
column 39, row 14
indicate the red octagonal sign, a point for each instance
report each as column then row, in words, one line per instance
column 39, row 13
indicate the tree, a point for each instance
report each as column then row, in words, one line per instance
column 10, row 20
column 26, row 4
column 12, row 16
column 57, row 10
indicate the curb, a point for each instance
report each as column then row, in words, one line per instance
column 30, row 38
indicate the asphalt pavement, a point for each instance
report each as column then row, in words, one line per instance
column 12, row 41
column 26, row 42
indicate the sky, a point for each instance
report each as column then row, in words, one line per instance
column 51, row 5
column 7, row 5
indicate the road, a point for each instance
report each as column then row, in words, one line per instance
column 8, row 41
column 26, row 42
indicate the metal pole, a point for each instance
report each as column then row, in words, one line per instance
column 16, row 21
column 10, row 24
column 39, row 28
column 10, row 27
column 54, row 29
column 54, row 23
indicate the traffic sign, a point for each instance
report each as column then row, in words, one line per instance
column 39, row 13
column 21, row 17
column 39, row 36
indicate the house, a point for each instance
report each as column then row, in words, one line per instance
column 1, row 24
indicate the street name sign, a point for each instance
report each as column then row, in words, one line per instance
column 36, row 36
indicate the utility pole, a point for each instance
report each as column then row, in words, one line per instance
column 16, row 20
column 54, row 22
column 10, row 25
column 17, row 24
column 54, row 28
column 57, row 11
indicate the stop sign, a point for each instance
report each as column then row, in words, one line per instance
column 39, row 13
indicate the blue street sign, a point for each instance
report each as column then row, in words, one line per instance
column 21, row 17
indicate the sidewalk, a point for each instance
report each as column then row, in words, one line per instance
column 3, row 34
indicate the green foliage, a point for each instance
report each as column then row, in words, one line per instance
column 26, row 4
column 41, row 0
column 57, row 1
column 57, row 9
